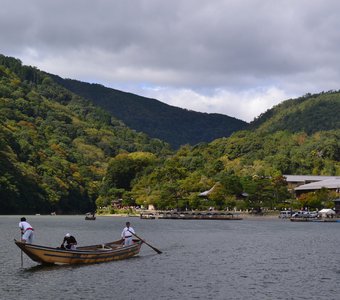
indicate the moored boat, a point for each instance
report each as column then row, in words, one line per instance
column 149, row 216
column 296, row 219
column 325, row 220
column 300, row 219
column 82, row 255
column 90, row 216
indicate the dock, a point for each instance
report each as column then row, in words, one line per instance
column 202, row 215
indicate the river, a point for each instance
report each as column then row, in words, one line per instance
column 201, row 259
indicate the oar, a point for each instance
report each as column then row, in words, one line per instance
column 22, row 258
column 158, row 251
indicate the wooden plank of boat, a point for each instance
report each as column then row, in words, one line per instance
column 82, row 255
column 297, row 219
column 324, row 220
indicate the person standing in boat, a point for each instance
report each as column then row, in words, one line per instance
column 27, row 231
column 70, row 241
column 127, row 234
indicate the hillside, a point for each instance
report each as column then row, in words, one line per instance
column 310, row 113
column 300, row 136
column 247, row 163
column 174, row 125
column 59, row 152
column 55, row 146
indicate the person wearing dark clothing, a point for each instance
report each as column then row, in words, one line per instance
column 70, row 242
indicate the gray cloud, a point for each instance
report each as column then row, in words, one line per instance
column 234, row 46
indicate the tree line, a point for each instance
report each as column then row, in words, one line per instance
column 54, row 145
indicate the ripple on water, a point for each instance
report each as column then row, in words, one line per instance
column 200, row 260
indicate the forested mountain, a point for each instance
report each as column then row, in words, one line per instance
column 55, row 146
column 174, row 125
column 248, row 162
column 300, row 136
column 59, row 152
column 310, row 113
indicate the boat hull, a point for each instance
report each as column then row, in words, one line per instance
column 313, row 220
column 83, row 255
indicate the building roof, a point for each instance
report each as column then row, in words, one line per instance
column 326, row 211
column 306, row 178
column 333, row 183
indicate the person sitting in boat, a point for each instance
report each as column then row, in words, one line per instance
column 70, row 242
column 27, row 234
column 127, row 234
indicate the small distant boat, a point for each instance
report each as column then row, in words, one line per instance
column 90, row 216
column 148, row 216
column 82, row 255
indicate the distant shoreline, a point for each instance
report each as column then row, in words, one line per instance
column 245, row 216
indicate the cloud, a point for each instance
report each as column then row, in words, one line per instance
column 215, row 53
column 245, row 105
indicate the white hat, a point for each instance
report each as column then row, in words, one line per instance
column 67, row 235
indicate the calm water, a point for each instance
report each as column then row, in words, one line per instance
column 248, row 259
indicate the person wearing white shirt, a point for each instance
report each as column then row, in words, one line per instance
column 127, row 234
column 27, row 231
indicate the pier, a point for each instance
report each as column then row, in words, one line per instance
column 201, row 215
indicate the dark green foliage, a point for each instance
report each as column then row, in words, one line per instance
column 247, row 163
column 310, row 114
column 124, row 168
column 172, row 124
column 55, row 146
column 58, row 152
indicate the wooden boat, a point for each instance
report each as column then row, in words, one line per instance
column 147, row 216
column 312, row 220
column 299, row 219
column 90, row 216
column 82, row 255
column 325, row 220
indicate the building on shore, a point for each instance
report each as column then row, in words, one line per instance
column 330, row 184
column 295, row 181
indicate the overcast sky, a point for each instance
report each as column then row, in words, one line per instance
column 234, row 57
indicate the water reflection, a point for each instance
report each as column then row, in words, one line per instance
column 49, row 268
